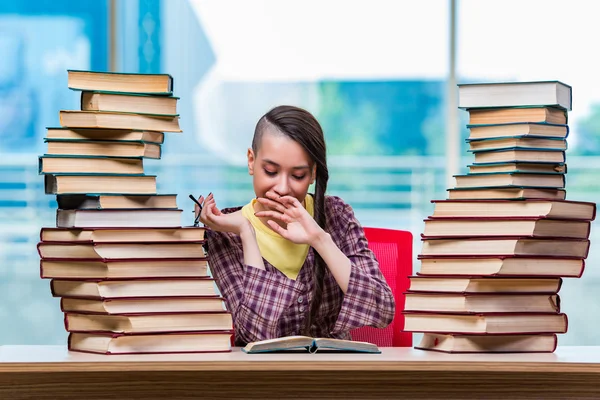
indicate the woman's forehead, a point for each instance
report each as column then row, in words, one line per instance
column 281, row 149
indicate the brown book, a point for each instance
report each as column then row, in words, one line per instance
column 105, row 134
column 143, row 306
column 159, row 84
column 84, row 184
column 506, row 193
column 124, row 269
column 502, row 266
column 457, row 343
column 127, row 102
column 119, row 120
column 149, row 323
column 506, row 226
column 516, row 142
column 133, row 288
column 114, row 218
column 103, row 148
column 519, row 155
column 470, row 284
column 506, row 246
column 515, row 114
column 508, row 179
column 518, row 129
column 565, row 209
column 120, row 250
column 112, row 201
column 544, row 168
column 112, row 234
column 482, row 303
column 185, row 342
column 509, row 323
column 51, row 164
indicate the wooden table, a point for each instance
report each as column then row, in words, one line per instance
column 51, row 372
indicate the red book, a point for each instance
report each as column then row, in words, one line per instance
column 485, row 324
column 164, row 343
column 458, row 343
column 120, row 250
column 499, row 265
column 149, row 323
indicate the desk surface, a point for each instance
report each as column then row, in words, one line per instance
column 58, row 359
column 52, row 373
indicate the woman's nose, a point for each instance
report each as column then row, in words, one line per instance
column 282, row 187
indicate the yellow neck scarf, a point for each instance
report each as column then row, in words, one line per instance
column 284, row 255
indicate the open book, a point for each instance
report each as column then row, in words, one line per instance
column 308, row 344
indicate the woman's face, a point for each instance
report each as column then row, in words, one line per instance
column 281, row 165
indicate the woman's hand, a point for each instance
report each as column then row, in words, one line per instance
column 211, row 216
column 300, row 227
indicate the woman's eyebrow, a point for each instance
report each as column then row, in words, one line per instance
column 266, row 160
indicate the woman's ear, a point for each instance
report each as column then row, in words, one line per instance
column 250, row 162
column 313, row 174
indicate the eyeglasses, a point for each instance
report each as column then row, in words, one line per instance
column 197, row 219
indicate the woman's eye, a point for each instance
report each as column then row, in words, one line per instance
column 298, row 178
column 270, row 173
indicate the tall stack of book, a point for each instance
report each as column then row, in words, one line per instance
column 495, row 252
column 131, row 279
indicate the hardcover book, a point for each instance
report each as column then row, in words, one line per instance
column 105, row 134
column 124, row 269
column 133, row 288
column 105, row 201
column 555, row 209
column 458, row 343
column 514, row 94
column 115, row 234
column 491, row 324
column 121, row 343
column 498, row 265
column 482, row 284
column 83, row 184
column 158, row 84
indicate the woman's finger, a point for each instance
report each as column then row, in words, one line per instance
column 271, row 204
column 274, row 214
column 277, row 228
column 290, row 201
column 197, row 207
column 274, row 197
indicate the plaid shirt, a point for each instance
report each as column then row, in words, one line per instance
column 266, row 304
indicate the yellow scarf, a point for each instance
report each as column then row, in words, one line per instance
column 281, row 253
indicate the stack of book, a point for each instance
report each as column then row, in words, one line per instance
column 131, row 279
column 494, row 253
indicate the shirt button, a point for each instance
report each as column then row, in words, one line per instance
column 300, row 299
column 301, row 309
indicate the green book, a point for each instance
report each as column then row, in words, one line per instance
column 156, row 84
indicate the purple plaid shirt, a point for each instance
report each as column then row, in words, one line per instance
column 266, row 304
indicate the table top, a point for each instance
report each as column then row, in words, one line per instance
column 566, row 359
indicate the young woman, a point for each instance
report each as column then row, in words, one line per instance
column 288, row 262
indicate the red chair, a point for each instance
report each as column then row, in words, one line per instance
column 393, row 249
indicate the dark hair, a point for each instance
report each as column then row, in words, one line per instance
column 302, row 127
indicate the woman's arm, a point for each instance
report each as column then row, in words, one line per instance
column 368, row 301
column 256, row 298
column 338, row 263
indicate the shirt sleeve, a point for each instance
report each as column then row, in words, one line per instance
column 369, row 300
column 255, row 297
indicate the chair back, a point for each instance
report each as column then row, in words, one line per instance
column 393, row 249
